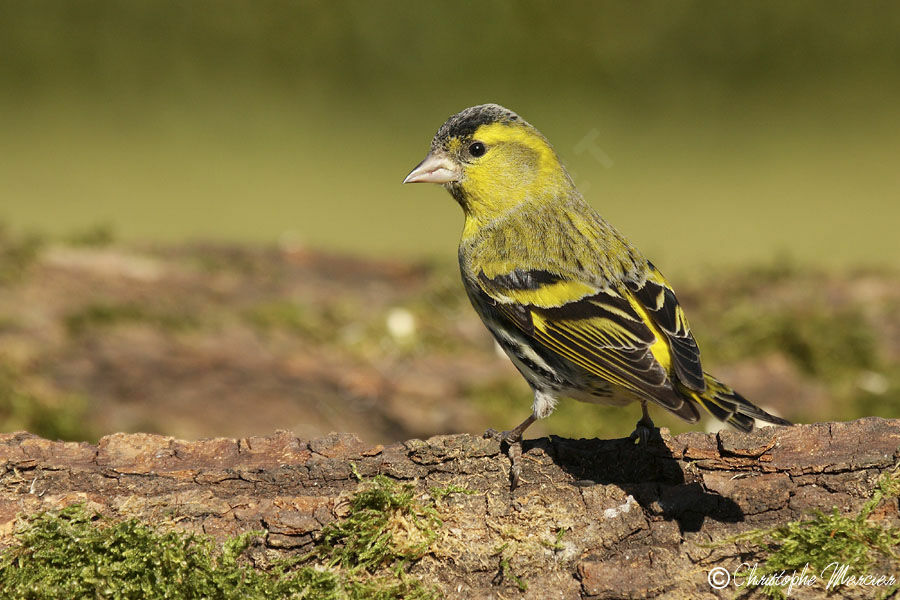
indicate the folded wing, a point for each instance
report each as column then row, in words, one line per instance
column 611, row 333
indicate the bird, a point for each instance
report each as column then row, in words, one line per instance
column 579, row 311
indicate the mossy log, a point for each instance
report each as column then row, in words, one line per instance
column 590, row 519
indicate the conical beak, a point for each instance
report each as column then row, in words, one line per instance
column 436, row 168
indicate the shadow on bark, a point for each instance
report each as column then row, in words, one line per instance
column 657, row 480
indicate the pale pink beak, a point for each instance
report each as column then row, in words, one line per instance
column 436, row 168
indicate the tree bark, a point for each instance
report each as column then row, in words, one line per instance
column 591, row 518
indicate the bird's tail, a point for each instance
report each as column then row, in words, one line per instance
column 725, row 404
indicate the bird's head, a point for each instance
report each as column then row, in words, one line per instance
column 491, row 160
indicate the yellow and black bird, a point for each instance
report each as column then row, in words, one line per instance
column 579, row 310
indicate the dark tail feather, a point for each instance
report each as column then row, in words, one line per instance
column 725, row 404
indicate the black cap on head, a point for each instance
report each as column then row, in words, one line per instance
column 464, row 123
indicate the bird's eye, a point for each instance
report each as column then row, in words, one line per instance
column 477, row 149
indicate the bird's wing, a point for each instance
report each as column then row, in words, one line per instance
column 656, row 297
column 609, row 332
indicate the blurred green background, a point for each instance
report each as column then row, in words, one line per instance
column 706, row 131
column 184, row 163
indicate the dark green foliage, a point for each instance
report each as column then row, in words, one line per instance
column 108, row 315
column 884, row 404
column 96, row 236
column 311, row 46
column 821, row 342
column 32, row 408
column 299, row 319
column 17, row 253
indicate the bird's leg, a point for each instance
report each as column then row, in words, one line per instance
column 513, row 440
column 644, row 428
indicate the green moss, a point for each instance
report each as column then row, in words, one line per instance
column 827, row 538
column 505, row 570
column 556, row 544
column 442, row 492
column 71, row 554
column 365, row 556
column 95, row 316
column 367, row 538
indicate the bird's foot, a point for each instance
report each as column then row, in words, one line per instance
column 643, row 431
column 513, row 441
